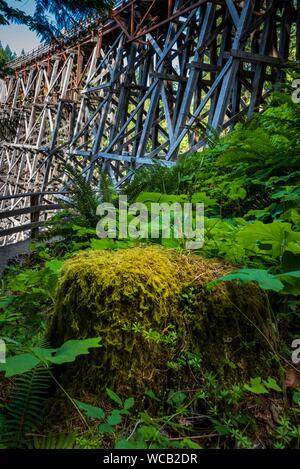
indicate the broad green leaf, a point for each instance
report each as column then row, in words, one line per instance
column 295, row 274
column 154, row 197
column 148, row 197
column 201, row 197
column 256, row 386
column 296, row 397
column 114, row 418
column 170, row 243
column 258, row 214
column 25, row 362
column 291, row 281
column 293, row 247
column 44, row 354
column 19, row 364
column 54, row 265
column 91, row 411
column 106, row 428
column 265, row 280
column 114, row 397
column 176, row 398
column 72, row 348
column 172, row 198
column 259, row 233
column 220, row 427
column 129, row 403
column 102, row 244
column 124, row 444
column 236, row 193
column 270, row 383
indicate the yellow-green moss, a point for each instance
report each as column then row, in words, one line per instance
column 136, row 299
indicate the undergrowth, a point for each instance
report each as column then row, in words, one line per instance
column 249, row 183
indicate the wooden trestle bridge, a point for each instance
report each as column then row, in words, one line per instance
column 138, row 88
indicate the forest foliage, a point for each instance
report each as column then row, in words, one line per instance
column 249, row 183
column 51, row 17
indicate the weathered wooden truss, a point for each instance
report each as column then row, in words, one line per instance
column 142, row 88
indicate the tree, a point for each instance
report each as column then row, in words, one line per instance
column 8, row 14
column 66, row 14
column 6, row 55
column 10, row 55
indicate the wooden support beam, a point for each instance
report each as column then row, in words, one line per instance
column 249, row 57
column 131, row 90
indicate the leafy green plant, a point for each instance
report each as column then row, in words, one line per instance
column 286, row 433
column 265, row 280
column 42, row 281
column 81, row 201
column 228, row 427
column 169, row 337
column 26, row 297
column 26, row 406
column 25, row 409
column 190, row 359
column 287, row 282
column 24, row 362
column 113, row 418
column 249, row 183
column 259, row 386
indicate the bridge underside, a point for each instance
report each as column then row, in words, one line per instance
column 144, row 87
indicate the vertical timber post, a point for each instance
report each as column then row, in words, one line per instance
column 35, row 215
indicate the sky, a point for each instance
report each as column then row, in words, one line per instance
column 18, row 36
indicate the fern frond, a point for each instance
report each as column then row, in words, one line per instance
column 82, row 202
column 25, row 409
column 107, row 190
column 54, row 441
column 3, row 442
column 43, row 343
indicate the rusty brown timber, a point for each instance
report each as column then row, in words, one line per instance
column 138, row 88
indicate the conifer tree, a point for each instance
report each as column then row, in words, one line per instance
column 65, row 14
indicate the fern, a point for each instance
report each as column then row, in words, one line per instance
column 3, row 441
column 255, row 167
column 83, row 198
column 54, row 441
column 107, row 190
column 81, row 204
column 78, row 208
column 25, row 410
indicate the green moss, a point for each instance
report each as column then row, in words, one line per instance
column 150, row 305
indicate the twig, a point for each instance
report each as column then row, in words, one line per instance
column 210, row 435
column 134, row 429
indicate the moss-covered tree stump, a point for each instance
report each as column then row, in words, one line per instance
column 153, row 308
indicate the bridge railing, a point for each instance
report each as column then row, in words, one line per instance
column 34, row 208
